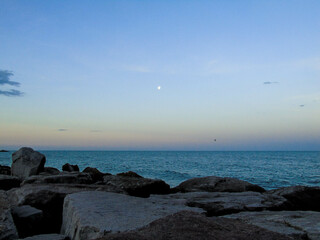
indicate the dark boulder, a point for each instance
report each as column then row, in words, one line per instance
column 129, row 174
column 28, row 220
column 8, row 182
column 216, row 184
column 95, row 174
column 70, row 168
column 300, row 197
column 8, row 230
column 63, row 177
column 193, row 226
column 137, row 186
column 51, row 171
column 27, row 162
column 5, row 170
column 52, row 236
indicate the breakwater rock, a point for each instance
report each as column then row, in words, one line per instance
column 38, row 202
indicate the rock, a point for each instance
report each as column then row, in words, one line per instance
column 27, row 162
column 193, row 226
column 28, row 220
column 52, row 236
column 5, row 170
column 88, row 215
column 43, row 196
column 51, row 171
column 70, row 168
column 8, row 230
column 129, row 174
column 4, row 151
column 8, row 182
column 64, row 177
column 299, row 224
column 300, row 197
column 137, row 186
column 49, row 198
column 217, row 204
column 216, row 184
column 94, row 173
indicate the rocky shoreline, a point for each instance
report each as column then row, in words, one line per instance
column 38, row 202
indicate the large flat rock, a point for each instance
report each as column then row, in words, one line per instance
column 187, row 225
column 302, row 224
column 221, row 203
column 88, row 215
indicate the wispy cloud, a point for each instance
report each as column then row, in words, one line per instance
column 266, row 83
column 5, row 76
column 11, row 93
column 62, row 130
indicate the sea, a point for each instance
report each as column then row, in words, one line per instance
column 268, row 169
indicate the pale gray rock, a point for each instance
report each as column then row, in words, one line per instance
column 220, row 203
column 301, row 224
column 187, row 225
column 216, row 184
column 52, row 236
column 27, row 162
column 28, row 220
column 300, row 197
column 49, row 198
column 136, row 186
column 63, row 177
column 8, row 230
column 7, row 182
column 88, row 215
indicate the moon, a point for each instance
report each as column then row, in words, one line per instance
column 159, row 88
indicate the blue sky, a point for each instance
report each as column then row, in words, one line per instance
column 246, row 73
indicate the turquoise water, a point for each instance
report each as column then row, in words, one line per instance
column 267, row 169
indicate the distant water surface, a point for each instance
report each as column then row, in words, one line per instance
column 267, row 169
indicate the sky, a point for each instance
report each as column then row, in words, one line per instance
column 160, row 75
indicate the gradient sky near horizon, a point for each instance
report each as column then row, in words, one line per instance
column 85, row 75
